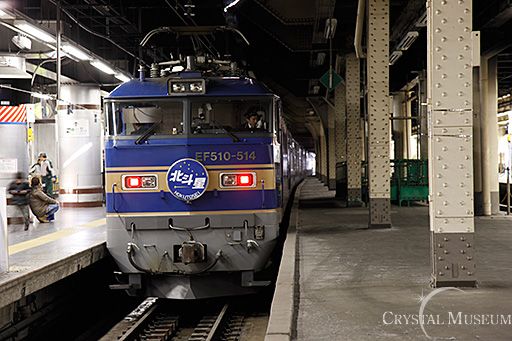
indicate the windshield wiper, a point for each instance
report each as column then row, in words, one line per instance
column 233, row 136
column 148, row 132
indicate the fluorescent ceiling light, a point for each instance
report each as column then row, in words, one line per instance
column 122, row 77
column 407, row 41
column 233, row 3
column 422, row 21
column 6, row 15
column 330, row 27
column 75, row 52
column 320, row 58
column 103, row 67
column 394, row 57
column 35, row 31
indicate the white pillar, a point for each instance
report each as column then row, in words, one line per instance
column 80, row 141
column 4, row 245
column 354, row 131
column 489, row 130
column 331, row 147
column 340, row 127
column 378, row 113
column 450, row 106
column 399, row 125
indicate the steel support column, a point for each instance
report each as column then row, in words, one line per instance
column 492, row 69
column 408, row 127
column 489, row 128
column 323, row 155
column 450, row 112
column 354, row 150
column 477, row 145
column 422, row 112
column 378, row 113
column 331, row 147
column 340, row 126
column 398, row 124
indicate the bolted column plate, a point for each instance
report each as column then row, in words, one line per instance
column 354, row 152
column 378, row 113
column 453, row 261
column 450, row 140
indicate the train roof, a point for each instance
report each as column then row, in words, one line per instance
column 221, row 86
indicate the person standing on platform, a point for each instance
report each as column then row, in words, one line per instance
column 45, row 168
column 41, row 204
column 20, row 191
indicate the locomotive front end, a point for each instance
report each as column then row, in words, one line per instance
column 193, row 197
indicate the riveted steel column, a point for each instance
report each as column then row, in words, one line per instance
column 477, row 145
column 340, row 139
column 399, row 125
column 489, row 121
column 422, row 111
column 354, row 150
column 450, row 111
column 378, row 113
column 331, row 147
column 492, row 112
column 323, row 154
column 340, row 105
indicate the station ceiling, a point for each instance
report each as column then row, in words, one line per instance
column 283, row 42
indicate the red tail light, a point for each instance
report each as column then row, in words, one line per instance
column 140, row 181
column 133, row 182
column 245, row 179
column 233, row 180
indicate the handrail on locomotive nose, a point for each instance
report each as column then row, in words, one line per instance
column 207, row 225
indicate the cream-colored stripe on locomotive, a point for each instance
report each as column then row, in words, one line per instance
column 166, row 168
column 268, row 175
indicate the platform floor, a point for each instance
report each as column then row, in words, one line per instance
column 354, row 283
column 46, row 252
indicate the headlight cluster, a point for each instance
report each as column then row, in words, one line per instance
column 139, row 181
column 237, row 180
column 181, row 87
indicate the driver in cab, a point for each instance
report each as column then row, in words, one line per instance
column 253, row 118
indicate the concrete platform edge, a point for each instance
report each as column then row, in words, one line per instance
column 27, row 283
column 284, row 308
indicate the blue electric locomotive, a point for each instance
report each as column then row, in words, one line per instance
column 194, row 196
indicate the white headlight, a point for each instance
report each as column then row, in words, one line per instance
column 178, row 87
column 196, row 87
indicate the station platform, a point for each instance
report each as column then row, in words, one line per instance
column 49, row 252
column 339, row 280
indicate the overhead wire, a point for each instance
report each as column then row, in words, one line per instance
column 99, row 34
column 194, row 23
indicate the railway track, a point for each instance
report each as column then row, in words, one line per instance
column 152, row 321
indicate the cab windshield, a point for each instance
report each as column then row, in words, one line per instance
column 134, row 118
column 184, row 116
column 238, row 116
